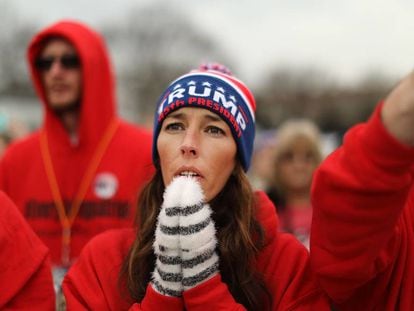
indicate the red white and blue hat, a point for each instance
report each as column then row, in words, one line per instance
column 213, row 88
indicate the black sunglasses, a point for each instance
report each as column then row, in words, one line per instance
column 66, row 61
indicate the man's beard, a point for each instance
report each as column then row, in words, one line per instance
column 69, row 108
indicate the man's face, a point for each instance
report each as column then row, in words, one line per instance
column 60, row 72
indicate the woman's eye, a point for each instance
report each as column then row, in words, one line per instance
column 215, row 130
column 174, row 127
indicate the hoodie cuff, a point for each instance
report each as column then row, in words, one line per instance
column 212, row 294
column 156, row 301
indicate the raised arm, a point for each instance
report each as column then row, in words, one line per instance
column 359, row 196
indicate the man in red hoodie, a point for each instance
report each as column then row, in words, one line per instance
column 26, row 281
column 362, row 240
column 80, row 173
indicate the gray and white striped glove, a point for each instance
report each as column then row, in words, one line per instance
column 167, row 275
column 197, row 234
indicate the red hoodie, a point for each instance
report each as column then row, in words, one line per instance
column 92, row 282
column 109, row 201
column 362, row 241
column 25, row 277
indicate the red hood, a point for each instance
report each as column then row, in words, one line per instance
column 266, row 215
column 98, row 100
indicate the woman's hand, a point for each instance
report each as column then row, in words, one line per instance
column 197, row 235
column 167, row 276
column 185, row 239
column 398, row 111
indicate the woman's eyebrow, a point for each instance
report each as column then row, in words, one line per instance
column 176, row 115
column 213, row 117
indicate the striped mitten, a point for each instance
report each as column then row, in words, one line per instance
column 167, row 275
column 197, row 235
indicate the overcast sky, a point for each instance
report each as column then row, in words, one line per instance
column 344, row 38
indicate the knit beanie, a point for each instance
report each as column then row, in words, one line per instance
column 212, row 87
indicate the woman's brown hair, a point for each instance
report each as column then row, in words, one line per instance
column 240, row 238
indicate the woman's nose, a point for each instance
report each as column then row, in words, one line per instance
column 188, row 150
column 189, row 144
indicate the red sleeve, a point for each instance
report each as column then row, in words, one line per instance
column 358, row 196
column 154, row 301
column 26, row 278
column 212, row 294
column 290, row 280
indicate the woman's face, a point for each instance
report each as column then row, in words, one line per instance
column 197, row 142
column 296, row 166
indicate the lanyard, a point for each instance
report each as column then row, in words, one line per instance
column 67, row 220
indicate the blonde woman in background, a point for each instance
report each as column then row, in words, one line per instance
column 297, row 153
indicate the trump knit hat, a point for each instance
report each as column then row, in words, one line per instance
column 212, row 87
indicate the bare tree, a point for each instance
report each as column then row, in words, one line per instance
column 156, row 44
column 14, row 37
column 314, row 94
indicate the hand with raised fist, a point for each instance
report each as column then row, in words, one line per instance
column 398, row 111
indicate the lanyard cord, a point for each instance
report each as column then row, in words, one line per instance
column 68, row 220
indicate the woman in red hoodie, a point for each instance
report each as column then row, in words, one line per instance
column 26, row 278
column 205, row 240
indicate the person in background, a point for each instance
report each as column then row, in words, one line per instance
column 362, row 240
column 80, row 173
column 204, row 239
column 25, row 278
column 297, row 153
